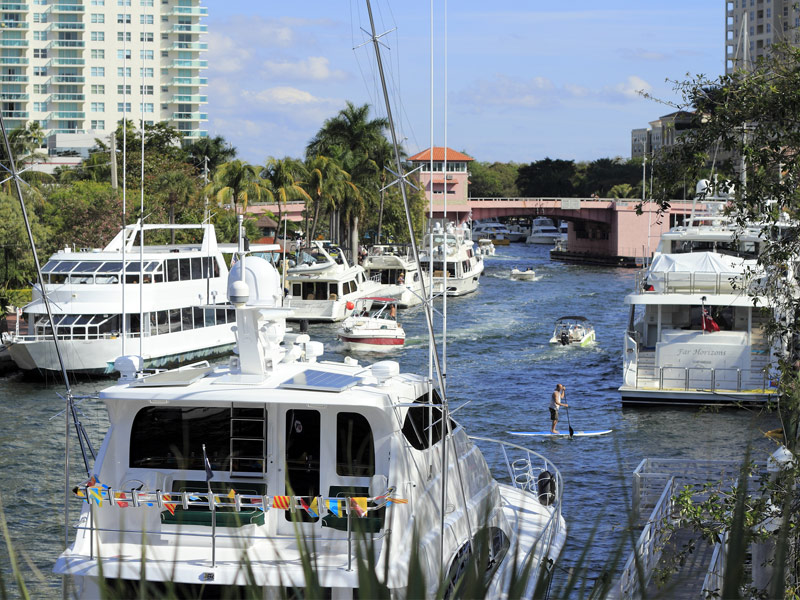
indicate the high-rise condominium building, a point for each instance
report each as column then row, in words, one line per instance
column 77, row 66
column 753, row 26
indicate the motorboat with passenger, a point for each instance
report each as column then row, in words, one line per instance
column 524, row 275
column 175, row 304
column 393, row 266
column 543, row 231
column 324, row 285
column 456, row 267
column 250, row 476
column 486, row 247
column 574, row 330
column 373, row 326
column 696, row 332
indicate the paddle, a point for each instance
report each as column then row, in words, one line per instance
column 571, row 430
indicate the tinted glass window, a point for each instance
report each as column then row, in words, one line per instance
column 186, row 318
column 197, row 268
column 186, row 269
column 355, row 448
column 423, row 425
column 172, row 269
column 65, row 266
column 110, row 267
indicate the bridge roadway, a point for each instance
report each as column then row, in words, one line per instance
column 601, row 230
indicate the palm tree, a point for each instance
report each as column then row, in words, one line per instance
column 352, row 137
column 215, row 149
column 326, row 183
column 283, row 176
column 175, row 187
column 237, row 181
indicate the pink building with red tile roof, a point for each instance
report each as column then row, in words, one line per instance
column 451, row 182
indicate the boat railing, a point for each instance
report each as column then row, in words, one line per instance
column 705, row 379
column 525, row 470
column 713, row 581
column 695, row 282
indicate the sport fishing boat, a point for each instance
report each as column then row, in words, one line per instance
column 393, row 266
column 373, row 327
column 324, row 286
column 453, row 251
column 492, row 230
column 249, row 476
column 695, row 333
column 573, row 331
column 175, row 305
column 543, row 231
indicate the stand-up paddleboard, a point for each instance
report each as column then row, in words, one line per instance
column 562, row 433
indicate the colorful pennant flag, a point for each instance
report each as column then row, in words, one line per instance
column 170, row 507
column 359, row 506
column 312, row 510
column 335, row 506
column 281, row 502
column 120, row 499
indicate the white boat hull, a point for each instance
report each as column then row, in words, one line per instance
column 542, row 238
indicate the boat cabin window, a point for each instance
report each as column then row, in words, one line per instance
column 302, row 456
column 439, row 266
column 355, row 447
column 417, row 427
column 313, row 290
column 173, row 438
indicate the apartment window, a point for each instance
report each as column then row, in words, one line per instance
column 40, row 106
column 40, row 36
column 146, row 72
column 98, row 107
column 123, row 18
column 39, row 88
column 165, row 53
column 123, row 107
column 769, row 13
column 40, row 71
column 123, row 2
column 145, row 2
column 769, row 28
column 165, row 107
column 123, row 72
column 124, row 89
column 98, row 54
column 124, row 36
column 146, row 19
column 123, row 54
column 147, row 107
column 164, row 36
column 98, row 2
column 98, row 125
column 146, row 36
column 98, row 18
column 146, row 90
column 40, row 17
column 98, row 88
column 98, row 36
column 98, row 71
column 40, row 53
column 146, row 54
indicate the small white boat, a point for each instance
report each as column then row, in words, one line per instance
column 373, row 326
column 543, row 231
column 486, row 247
column 526, row 275
column 573, row 331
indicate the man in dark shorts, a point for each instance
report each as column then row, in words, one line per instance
column 556, row 403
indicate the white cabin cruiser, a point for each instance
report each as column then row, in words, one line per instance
column 183, row 314
column 324, row 286
column 573, row 330
column 492, row 230
column 220, row 477
column 694, row 336
column 393, row 266
column 453, row 254
column 486, row 247
column 543, row 231
column 373, row 327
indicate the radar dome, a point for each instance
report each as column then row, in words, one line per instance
column 262, row 280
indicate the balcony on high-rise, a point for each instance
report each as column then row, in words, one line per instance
column 189, row 46
column 192, row 81
column 195, row 11
column 182, row 63
column 187, row 28
column 183, row 116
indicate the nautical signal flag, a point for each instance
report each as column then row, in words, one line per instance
column 281, row 502
column 169, row 506
column 359, row 506
column 207, row 465
column 312, row 510
column 334, row 505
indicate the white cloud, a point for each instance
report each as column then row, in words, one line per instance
column 629, row 89
column 313, row 68
column 226, row 55
column 281, row 95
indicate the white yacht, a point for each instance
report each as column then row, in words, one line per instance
column 453, row 252
column 393, row 266
column 543, row 231
column 211, row 478
column 324, row 286
column 178, row 313
column 492, row 230
column 694, row 335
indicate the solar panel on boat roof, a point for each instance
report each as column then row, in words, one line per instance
column 320, row 381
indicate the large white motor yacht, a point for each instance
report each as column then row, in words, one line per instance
column 695, row 335
column 543, row 231
column 492, row 230
column 235, row 476
column 454, row 256
column 178, row 313
column 324, row 286
column 393, row 266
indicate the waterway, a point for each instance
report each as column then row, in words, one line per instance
column 498, row 359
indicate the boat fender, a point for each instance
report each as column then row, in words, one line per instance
column 350, row 305
column 564, row 338
column 546, row 488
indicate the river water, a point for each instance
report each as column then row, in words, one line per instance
column 498, row 359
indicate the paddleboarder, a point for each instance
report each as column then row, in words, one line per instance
column 556, row 403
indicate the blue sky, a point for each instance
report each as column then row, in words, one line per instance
column 524, row 81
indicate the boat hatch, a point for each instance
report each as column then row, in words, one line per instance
column 180, row 377
column 320, row 381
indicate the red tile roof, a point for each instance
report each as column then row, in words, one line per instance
column 438, row 155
